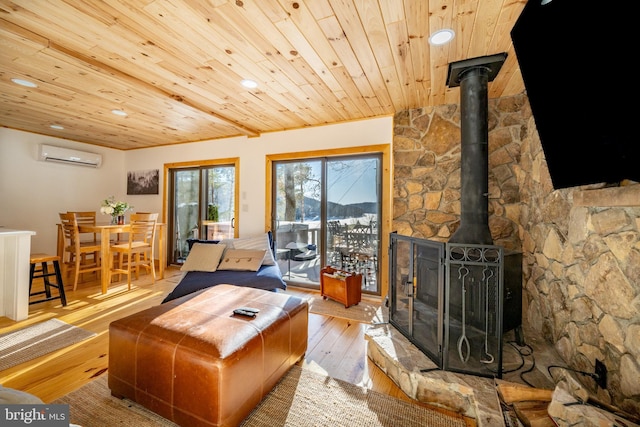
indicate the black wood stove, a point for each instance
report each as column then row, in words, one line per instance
column 454, row 300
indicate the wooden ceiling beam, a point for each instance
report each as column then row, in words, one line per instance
column 40, row 43
column 153, row 89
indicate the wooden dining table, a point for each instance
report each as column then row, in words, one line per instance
column 105, row 231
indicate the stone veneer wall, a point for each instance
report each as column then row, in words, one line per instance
column 581, row 261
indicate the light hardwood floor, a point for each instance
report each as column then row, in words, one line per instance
column 336, row 346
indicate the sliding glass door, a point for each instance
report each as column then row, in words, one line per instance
column 202, row 206
column 298, row 218
column 353, row 208
column 325, row 212
column 219, row 203
column 185, row 211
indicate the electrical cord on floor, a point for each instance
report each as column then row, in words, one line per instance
column 523, row 351
column 522, row 361
column 588, row 374
column 531, row 368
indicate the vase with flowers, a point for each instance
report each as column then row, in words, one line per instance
column 116, row 209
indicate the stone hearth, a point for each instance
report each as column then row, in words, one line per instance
column 473, row 396
column 469, row 395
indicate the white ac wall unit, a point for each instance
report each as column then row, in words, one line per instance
column 50, row 153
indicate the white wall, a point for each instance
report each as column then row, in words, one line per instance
column 32, row 193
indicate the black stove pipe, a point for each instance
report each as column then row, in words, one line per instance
column 474, row 168
column 473, row 77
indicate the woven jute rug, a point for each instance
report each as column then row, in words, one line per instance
column 301, row 399
column 37, row 340
column 363, row 312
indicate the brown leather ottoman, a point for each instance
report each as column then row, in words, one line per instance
column 192, row 361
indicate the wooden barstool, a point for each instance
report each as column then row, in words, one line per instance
column 43, row 272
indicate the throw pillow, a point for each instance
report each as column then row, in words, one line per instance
column 242, row 259
column 256, row 242
column 203, row 257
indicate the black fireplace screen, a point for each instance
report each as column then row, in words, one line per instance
column 448, row 299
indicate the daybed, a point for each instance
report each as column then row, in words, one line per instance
column 247, row 262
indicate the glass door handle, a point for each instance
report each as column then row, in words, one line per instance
column 409, row 287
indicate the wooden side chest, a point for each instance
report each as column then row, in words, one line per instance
column 341, row 286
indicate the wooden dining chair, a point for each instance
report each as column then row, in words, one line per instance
column 76, row 252
column 138, row 251
column 87, row 218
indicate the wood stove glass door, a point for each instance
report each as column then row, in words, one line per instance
column 417, row 292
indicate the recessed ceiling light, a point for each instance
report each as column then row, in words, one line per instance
column 23, row 82
column 58, row 127
column 249, row 84
column 119, row 113
column 441, row 37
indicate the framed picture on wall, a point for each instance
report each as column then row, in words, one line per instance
column 143, row 182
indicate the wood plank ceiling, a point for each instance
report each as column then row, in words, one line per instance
column 175, row 66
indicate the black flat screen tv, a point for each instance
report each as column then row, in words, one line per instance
column 582, row 90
